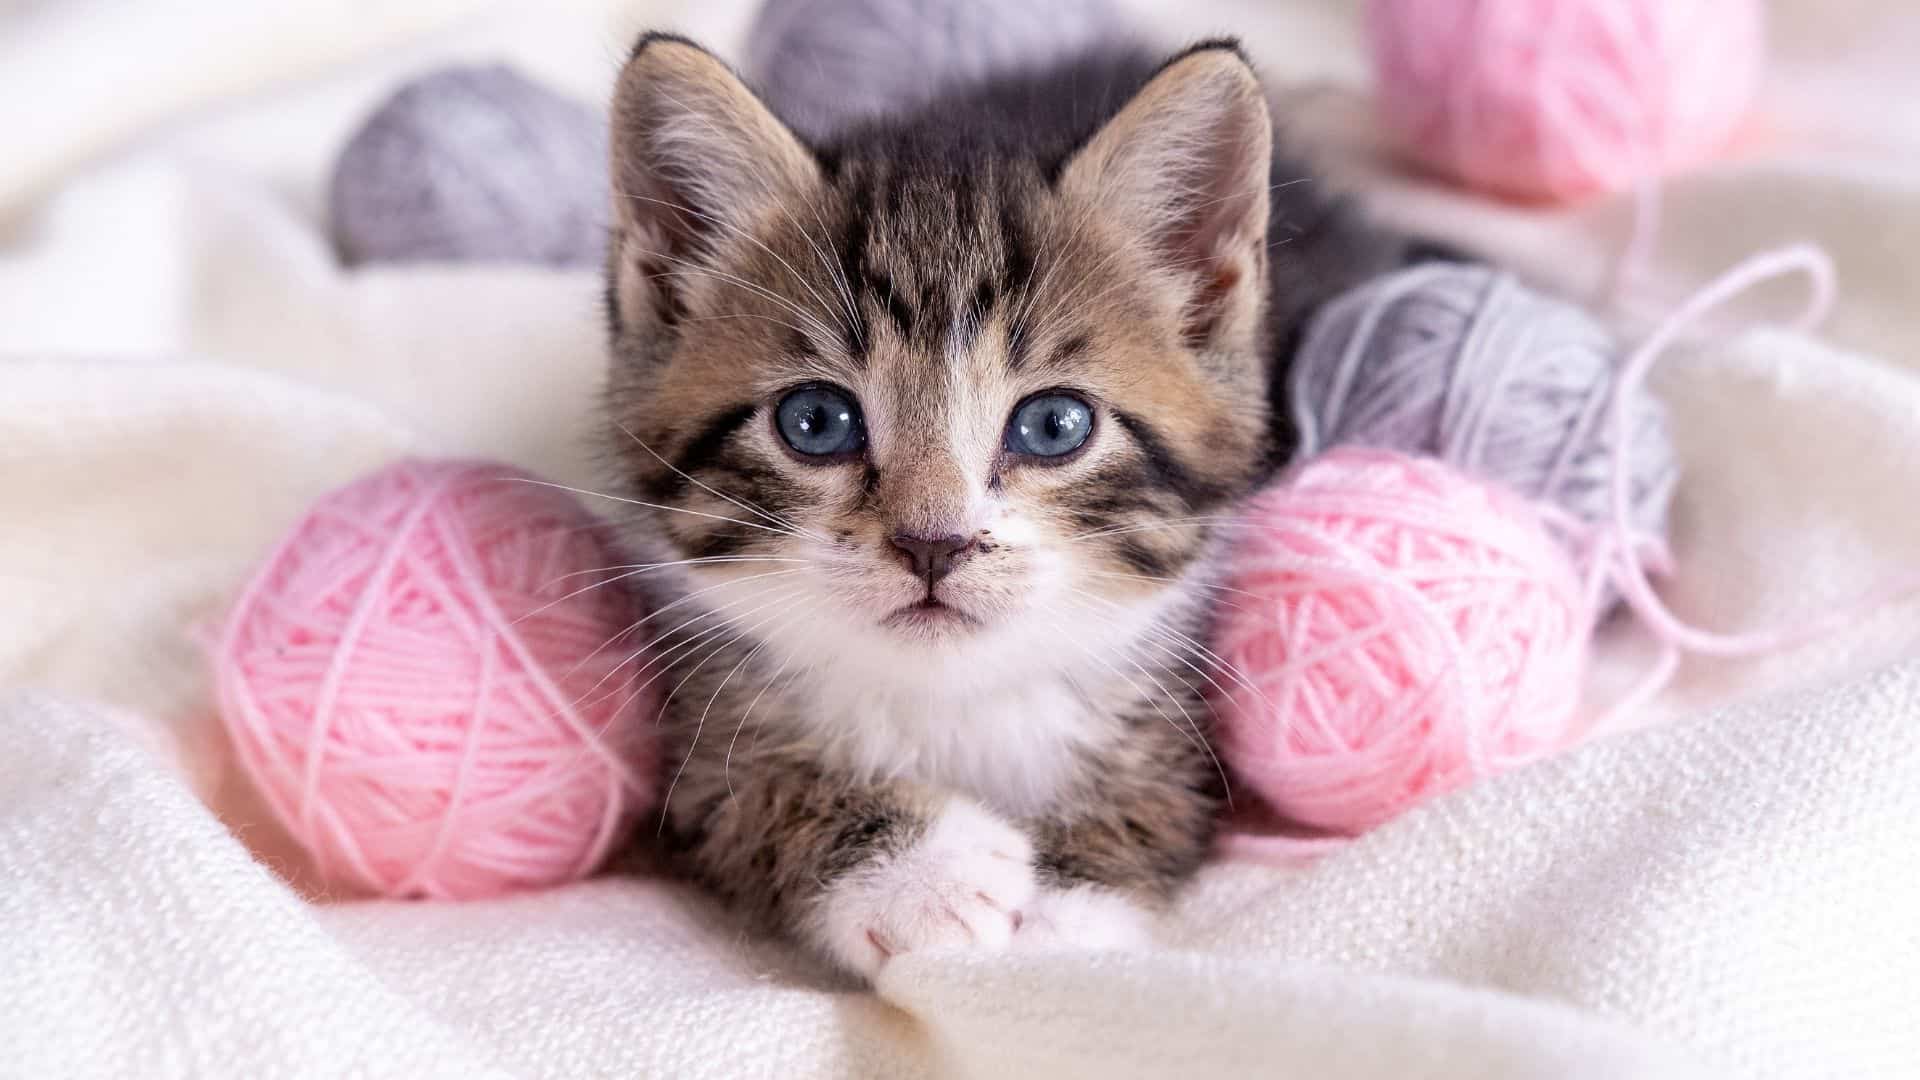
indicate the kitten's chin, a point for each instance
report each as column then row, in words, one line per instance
column 931, row 620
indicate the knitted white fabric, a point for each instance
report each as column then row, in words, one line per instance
column 1729, row 893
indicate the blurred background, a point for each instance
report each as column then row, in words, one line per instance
column 195, row 343
column 172, row 229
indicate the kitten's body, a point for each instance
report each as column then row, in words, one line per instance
column 1030, row 752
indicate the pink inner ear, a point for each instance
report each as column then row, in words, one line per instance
column 1208, row 297
column 1219, row 209
column 1208, row 242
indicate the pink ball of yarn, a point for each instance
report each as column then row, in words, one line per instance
column 1403, row 629
column 428, row 691
column 1556, row 99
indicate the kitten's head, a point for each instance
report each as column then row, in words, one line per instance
column 916, row 398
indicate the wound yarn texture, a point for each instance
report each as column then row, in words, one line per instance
column 827, row 64
column 1391, row 615
column 1552, row 100
column 474, row 164
column 429, row 694
column 1403, row 628
column 1463, row 363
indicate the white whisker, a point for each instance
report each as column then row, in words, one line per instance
column 791, row 679
column 1195, row 737
column 651, row 506
column 663, row 609
column 1192, row 732
column 638, row 569
column 701, row 725
column 744, row 315
column 660, row 660
column 663, row 565
column 727, row 763
column 1218, row 521
column 833, row 272
column 1180, row 582
column 791, row 527
column 1193, row 644
column 690, row 269
column 747, row 236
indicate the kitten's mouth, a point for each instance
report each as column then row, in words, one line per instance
column 928, row 615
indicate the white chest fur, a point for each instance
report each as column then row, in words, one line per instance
column 1013, row 748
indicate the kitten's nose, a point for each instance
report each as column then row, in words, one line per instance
column 933, row 557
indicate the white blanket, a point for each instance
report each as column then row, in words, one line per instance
column 183, row 367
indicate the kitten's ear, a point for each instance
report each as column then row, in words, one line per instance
column 697, row 161
column 1184, row 164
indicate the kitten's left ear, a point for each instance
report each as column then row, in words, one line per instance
column 698, row 161
column 1185, row 164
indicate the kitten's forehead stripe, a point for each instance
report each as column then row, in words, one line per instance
column 943, row 265
column 853, row 266
column 879, row 287
column 1065, row 352
column 1016, row 278
column 936, row 325
column 933, row 256
column 984, row 297
column 904, row 263
column 941, row 275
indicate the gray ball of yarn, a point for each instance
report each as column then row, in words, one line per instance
column 1463, row 363
column 474, row 164
column 827, row 64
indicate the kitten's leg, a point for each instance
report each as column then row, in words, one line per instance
column 860, row 873
column 1112, row 859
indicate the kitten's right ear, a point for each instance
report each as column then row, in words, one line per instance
column 1184, row 167
column 697, row 161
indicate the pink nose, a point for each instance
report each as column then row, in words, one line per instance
column 933, row 557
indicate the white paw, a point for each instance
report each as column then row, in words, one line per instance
column 1084, row 917
column 963, row 885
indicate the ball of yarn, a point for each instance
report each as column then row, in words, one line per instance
column 1402, row 628
column 1556, row 99
column 429, row 691
column 826, row 64
column 1465, row 364
column 474, row 164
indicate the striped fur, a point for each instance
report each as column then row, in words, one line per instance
column 1105, row 228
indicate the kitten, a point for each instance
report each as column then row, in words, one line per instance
column 938, row 421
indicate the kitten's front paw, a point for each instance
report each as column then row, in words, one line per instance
column 1085, row 917
column 962, row 885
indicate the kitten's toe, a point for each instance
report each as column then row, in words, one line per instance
column 1085, row 917
column 964, row 884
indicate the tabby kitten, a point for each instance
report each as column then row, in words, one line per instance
column 937, row 422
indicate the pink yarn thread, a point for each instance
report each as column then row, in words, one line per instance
column 1338, row 729
column 1558, row 99
column 1618, row 555
column 1411, row 628
column 420, row 683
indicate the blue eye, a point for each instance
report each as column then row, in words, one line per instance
column 820, row 421
column 1049, row 425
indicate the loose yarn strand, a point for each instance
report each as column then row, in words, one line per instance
column 1632, row 576
column 1614, row 547
column 1466, row 364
